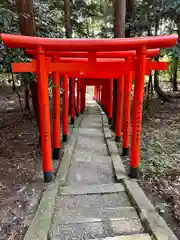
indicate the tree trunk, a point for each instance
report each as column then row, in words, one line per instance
column 129, row 17
column 157, row 88
column 26, row 94
column 150, row 86
column 68, row 29
column 119, row 18
column 119, row 32
column 34, row 92
column 28, row 28
column 67, row 18
column 174, row 77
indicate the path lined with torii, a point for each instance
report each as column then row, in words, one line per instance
column 91, row 204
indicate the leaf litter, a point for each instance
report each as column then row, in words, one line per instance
column 21, row 183
column 160, row 161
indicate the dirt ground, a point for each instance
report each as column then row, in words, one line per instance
column 21, row 182
column 160, row 152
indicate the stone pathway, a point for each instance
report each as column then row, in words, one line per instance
column 92, row 205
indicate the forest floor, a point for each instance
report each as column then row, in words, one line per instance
column 21, row 177
column 160, row 153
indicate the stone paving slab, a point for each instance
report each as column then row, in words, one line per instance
column 101, row 229
column 94, row 125
column 110, row 200
column 92, row 170
column 91, row 132
column 99, row 150
column 91, row 189
column 128, row 237
column 92, row 140
column 89, row 208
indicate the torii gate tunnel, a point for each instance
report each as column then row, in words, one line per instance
column 93, row 62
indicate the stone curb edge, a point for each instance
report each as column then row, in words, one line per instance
column 40, row 224
column 151, row 220
column 118, row 166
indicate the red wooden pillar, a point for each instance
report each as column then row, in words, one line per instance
column 44, row 113
column 127, row 110
column 72, row 100
column 78, row 98
column 119, row 108
column 110, row 101
column 137, row 112
column 65, row 108
column 56, row 112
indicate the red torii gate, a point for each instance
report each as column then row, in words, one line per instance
column 123, row 94
column 41, row 45
column 18, row 67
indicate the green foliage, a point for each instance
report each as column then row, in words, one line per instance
column 49, row 19
column 8, row 24
column 92, row 18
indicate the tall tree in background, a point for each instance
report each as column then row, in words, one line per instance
column 129, row 17
column 68, row 30
column 119, row 18
column 67, row 18
column 28, row 27
column 119, row 32
column 157, row 7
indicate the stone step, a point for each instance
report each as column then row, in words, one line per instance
column 90, row 170
column 92, row 148
column 96, row 230
column 92, row 189
column 95, row 159
column 90, row 132
column 128, row 237
column 90, row 141
column 84, row 151
column 90, row 208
